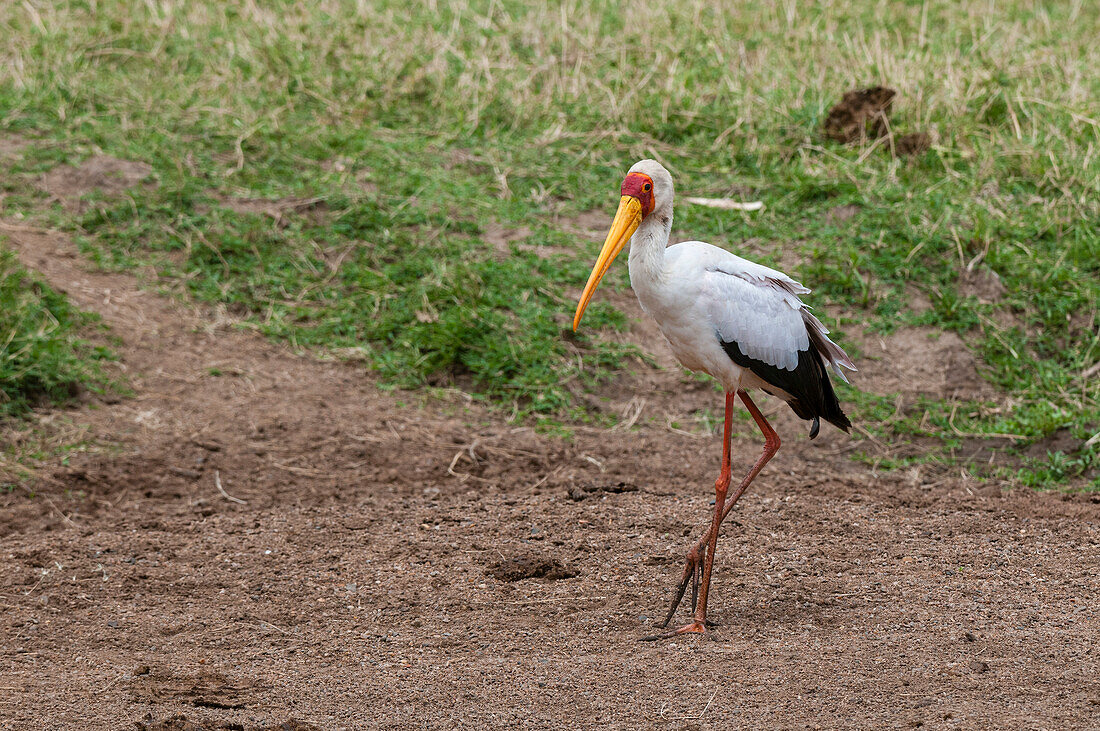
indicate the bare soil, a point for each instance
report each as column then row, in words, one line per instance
column 284, row 545
column 914, row 143
column 315, row 209
column 861, row 114
column 98, row 174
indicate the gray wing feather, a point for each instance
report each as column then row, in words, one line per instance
column 735, row 266
column 832, row 353
column 759, row 309
column 764, row 321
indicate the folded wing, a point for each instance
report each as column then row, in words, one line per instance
column 764, row 327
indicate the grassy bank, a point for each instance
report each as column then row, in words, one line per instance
column 405, row 134
column 42, row 358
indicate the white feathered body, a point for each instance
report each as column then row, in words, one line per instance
column 701, row 295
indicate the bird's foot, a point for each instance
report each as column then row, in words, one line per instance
column 695, row 628
column 693, row 571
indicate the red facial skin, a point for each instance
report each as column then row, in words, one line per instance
column 640, row 186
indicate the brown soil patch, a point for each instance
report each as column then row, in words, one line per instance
column 920, row 360
column 341, row 578
column 99, row 173
column 581, row 492
column 279, row 209
column 917, row 300
column 204, row 689
column 500, row 237
column 180, row 722
column 517, row 568
column 590, row 224
column 457, row 157
column 1060, row 441
column 913, row 143
column 982, row 283
column 12, row 146
column 861, row 114
column 847, row 212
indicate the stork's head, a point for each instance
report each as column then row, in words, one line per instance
column 646, row 191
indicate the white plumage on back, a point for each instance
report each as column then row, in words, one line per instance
column 707, row 295
column 753, row 305
column 749, row 306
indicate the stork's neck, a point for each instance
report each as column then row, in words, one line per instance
column 647, row 249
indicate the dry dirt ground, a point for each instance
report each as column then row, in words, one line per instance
column 378, row 560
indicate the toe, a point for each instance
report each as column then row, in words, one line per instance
column 695, row 628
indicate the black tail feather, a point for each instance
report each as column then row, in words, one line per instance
column 808, row 384
column 832, row 412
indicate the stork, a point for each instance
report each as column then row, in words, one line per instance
column 738, row 321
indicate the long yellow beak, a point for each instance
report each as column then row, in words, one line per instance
column 627, row 220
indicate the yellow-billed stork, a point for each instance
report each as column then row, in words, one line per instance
column 741, row 322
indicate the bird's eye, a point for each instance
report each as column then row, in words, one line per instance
column 647, row 187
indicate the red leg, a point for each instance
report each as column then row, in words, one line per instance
column 703, row 551
column 698, row 554
column 771, row 446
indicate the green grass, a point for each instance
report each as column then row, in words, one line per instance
column 42, row 358
column 418, row 128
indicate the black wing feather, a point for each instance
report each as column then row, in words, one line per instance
column 808, row 384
